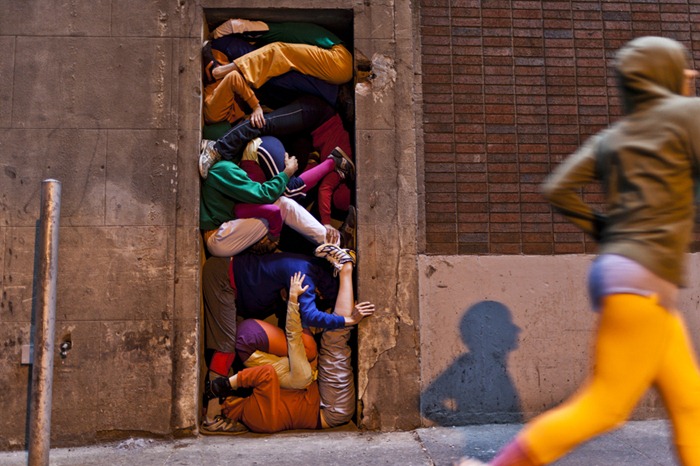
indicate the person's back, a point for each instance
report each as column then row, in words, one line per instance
column 646, row 162
column 260, row 278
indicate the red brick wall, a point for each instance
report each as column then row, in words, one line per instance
column 511, row 88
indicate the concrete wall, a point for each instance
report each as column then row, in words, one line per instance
column 504, row 338
column 103, row 96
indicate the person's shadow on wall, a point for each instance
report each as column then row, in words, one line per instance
column 476, row 388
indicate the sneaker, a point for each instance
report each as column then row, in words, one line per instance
column 469, row 462
column 222, row 426
column 335, row 255
column 343, row 165
column 208, row 157
column 348, row 230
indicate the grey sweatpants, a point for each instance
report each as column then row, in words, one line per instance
column 219, row 306
column 336, row 383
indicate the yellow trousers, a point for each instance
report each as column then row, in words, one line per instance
column 332, row 65
column 639, row 343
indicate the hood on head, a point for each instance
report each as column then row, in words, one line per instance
column 648, row 68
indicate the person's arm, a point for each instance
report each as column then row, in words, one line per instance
column 359, row 312
column 301, row 374
column 234, row 181
column 311, row 316
column 562, row 188
column 241, row 88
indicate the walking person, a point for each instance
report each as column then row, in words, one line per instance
column 648, row 165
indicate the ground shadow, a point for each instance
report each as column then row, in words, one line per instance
column 476, row 388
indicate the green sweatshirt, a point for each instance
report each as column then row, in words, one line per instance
column 299, row 33
column 647, row 163
column 228, row 184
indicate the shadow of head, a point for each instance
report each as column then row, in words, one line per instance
column 488, row 326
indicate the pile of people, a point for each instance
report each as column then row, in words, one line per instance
column 268, row 223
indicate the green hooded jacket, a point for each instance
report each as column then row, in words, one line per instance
column 647, row 163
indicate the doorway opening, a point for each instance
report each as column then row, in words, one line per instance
column 306, row 110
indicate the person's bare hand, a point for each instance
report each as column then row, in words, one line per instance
column 257, row 118
column 290, row 165
column 296, row 286
column 359, row 312
column 332, row 235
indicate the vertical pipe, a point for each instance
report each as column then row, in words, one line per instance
column 44, row 333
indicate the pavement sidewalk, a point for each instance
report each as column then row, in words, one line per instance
column 638, row 443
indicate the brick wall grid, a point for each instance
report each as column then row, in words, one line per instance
column 511, row 88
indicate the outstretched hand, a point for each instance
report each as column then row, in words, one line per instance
column 296, row 286
column 359, row 312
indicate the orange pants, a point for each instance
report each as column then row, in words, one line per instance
column 332, row 65
column 639, row 343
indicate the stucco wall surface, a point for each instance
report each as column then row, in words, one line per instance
column 504, row 338
column 103, row 96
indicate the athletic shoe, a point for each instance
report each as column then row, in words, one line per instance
column 348, row 230
column 469, row 462
column 343, row 164
column 222, row 426
column 335, row 255
column 208, row 157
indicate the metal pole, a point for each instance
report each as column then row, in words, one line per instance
column 44, row 335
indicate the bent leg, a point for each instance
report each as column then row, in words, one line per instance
column 219, row 306
column 268, row 212
column 679, row 383
column 632, row 336
column 312, row 176
column 303, row 114
column 299, row 219
column 336, row 383
column 332, row 65
column 235, row 236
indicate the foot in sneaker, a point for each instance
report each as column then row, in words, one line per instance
column 343, row 164
column 208, row 157
column 348, row 230
column 221, row 425
column 468, row 462
column 335, row 255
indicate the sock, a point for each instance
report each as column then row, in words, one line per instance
column 221, row 362
column 312, row 176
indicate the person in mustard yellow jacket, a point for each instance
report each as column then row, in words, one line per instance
column 648, row 164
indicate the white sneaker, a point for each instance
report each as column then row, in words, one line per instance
column 468, row 462
column 336, row 255
column 208, row 157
